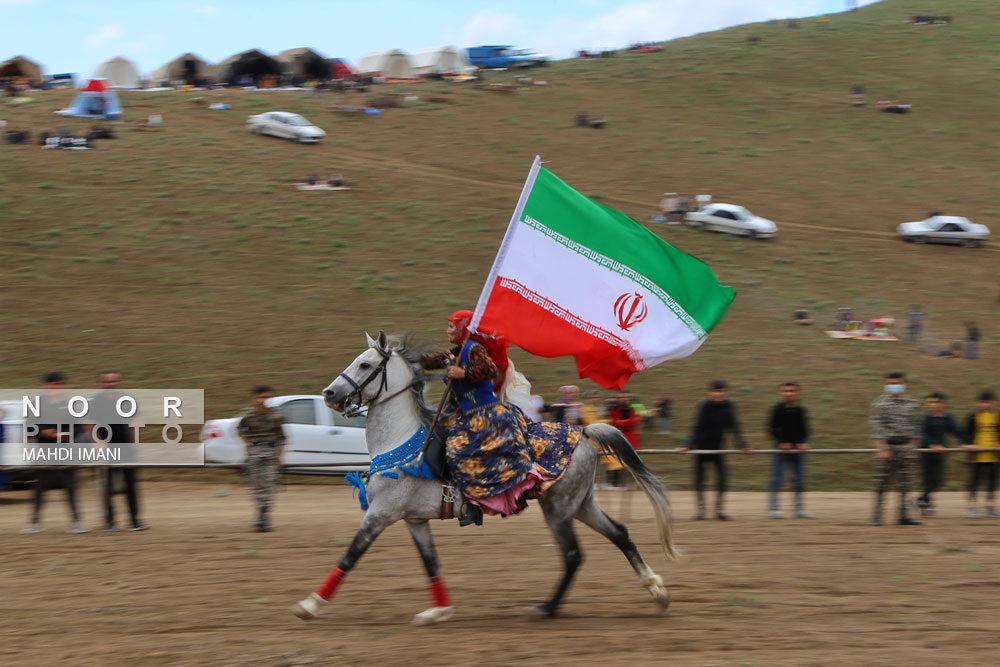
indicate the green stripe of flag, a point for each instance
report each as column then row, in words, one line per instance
column 687, row 280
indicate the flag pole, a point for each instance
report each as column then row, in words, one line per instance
column 444, row 397
column 508, row 238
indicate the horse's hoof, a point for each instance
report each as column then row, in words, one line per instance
column 308, row 609
column 654, row 584
column 662, row 598
column 540, row 611
column 433, row 615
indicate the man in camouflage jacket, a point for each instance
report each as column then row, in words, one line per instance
column 261, row 428
column 895, row 420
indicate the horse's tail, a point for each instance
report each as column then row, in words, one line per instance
column 613, row 442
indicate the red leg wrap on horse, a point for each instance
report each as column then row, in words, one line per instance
column 333, row 581
column 439, row 593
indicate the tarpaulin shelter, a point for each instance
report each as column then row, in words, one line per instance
column 20, row 67
column 391, row 63
column 253, row 63
column 188, row 68
column 440, row 60
column 120, row 73
column 94, row 100
column 304, row 63
column 339, row 69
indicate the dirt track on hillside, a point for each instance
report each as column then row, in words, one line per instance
column 436, row 174
column 199, row 589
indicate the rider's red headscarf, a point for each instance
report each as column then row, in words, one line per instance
column 496, row 346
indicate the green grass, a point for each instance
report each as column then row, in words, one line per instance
column 128, row 239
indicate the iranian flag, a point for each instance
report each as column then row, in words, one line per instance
column 573, row 276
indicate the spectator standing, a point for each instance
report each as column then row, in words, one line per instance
column 937, row 423
column 789, row 427
column 715, row 416
column 982, row 427
column 971, row 340
column 261, row 428
column 663, row 410
column 567, row 409
column 624, row 417
column 122, row 436
column 915, row 322
column 52, row 406
column 592, row 412
column 895, row 430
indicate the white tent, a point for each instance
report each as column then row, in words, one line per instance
column 119, row 72
column 392, row 64
column 440, row 60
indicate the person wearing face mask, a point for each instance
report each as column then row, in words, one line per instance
column 895, row 419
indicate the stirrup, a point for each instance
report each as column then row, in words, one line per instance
column 471, row 514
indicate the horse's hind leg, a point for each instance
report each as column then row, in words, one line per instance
column 442, row 609
column 565, row 535
column 594, row 516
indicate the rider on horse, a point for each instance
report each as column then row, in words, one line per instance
column 496, row 456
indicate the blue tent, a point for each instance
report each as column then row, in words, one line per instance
column 95, row 100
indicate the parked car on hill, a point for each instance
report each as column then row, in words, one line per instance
column 315, row 433
column 285, row 125
column 492, row 57
column 731, row 219
column 945, row 229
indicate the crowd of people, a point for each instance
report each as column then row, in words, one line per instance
column 905, row 437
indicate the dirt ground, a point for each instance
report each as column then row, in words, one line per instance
column 200, row 589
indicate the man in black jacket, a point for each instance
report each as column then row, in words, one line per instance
column 123, row 437
column 936, row 424
column 789, row 427
column 716, row 415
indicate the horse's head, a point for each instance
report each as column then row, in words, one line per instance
column 376, row 372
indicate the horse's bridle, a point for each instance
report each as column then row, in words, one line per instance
column 380, row 369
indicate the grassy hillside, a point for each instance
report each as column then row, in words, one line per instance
column 184, row 257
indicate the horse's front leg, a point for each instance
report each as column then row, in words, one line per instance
column 442, row 609
column 371, row 527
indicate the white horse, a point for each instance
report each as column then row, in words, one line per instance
column 390, row 382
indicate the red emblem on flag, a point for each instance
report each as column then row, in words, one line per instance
column 630, row 310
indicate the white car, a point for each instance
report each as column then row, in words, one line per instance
column 945, row 229
column 315, row 434
column 285, row 125
column 731, row 219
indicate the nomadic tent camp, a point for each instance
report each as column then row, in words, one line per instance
column 253, row 63
column 119, row 72
column 20, row 67
column 339, row 69
column 440, row 60
column 392, row 64
column 188, row 68
column 304, row 64
column 94, row 100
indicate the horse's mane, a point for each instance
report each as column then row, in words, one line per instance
column 411, row 351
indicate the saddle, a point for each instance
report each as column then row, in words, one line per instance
column 435, row 454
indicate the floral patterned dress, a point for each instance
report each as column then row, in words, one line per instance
column 497, row 457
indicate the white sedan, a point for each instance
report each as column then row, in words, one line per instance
column 731, row 219
column 316, row 434
column 945, row 229
column 285, row 125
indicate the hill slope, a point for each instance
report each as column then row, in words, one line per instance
column 185, row 258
